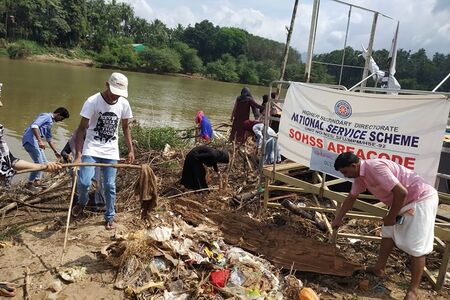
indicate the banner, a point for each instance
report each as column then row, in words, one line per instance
column 406, row 129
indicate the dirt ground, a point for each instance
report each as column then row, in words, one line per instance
column 31, row 241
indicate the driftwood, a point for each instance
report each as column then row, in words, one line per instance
column 300, row 212
column 53, row 208
column 39, row 198
column 246, row 196
column 282, row 246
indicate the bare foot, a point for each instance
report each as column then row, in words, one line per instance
column 377, row 272
column 411, row 295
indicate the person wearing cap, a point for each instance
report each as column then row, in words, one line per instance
column 97, row 141
column 32, row 141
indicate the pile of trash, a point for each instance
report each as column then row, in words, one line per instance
column 174, row 260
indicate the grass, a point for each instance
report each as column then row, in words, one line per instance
column 152, row 138
column 9, row 232
column 24, row 48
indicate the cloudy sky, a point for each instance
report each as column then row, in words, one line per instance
column 423, row 23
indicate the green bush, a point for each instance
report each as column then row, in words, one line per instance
column 23, row 48
column 106, row 57
column 152, row 138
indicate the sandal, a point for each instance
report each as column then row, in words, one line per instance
column 77, row 211
column 7, row 289
column 110, row 225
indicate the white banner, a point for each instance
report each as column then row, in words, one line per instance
column 407, row 129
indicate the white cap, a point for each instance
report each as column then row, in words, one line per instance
column 118, row 84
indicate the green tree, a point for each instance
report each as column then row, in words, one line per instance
column 190, row 62
column 202, row 37
column 160, row 60
column 223, row 69
column 230, row 40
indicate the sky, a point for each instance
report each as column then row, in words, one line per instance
column 423, row 23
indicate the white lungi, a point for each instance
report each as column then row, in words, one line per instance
column 416, row 235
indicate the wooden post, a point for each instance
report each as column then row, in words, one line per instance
column 369, row 48
column 443, row 269
column 266, row 192
column 288, row 41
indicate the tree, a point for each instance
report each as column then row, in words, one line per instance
column 160, row 60
column 190, row 62
column 230, row 40
column 223, row 69
column 202, row 37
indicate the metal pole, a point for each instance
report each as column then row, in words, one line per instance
column 312, row 38
column 364, row 80
column 441, row 83
column 369, row 48
column 345, row 44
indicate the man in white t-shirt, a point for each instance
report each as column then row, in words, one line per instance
column 100, row 117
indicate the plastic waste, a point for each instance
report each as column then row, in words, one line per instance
column 160, row 234
column 219, row 278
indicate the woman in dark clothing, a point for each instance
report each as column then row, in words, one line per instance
column 194, row 172
column 241, row 113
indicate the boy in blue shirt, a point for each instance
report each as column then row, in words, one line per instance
column 32, row 141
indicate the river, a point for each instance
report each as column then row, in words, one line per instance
column 30, row 88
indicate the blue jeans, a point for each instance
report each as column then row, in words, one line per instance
column 38, row 157
column 85, row 176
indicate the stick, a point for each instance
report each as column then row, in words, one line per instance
column 83, row 165
column 195, row 191
column 26, row 293
column 35, row 199
column 74, row 185
column 37, row 206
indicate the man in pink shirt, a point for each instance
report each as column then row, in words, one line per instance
column 409, row 224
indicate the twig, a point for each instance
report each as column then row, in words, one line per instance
column 74, row 185
column 26, row 292
column 36, row 206
column 35, row 199
column 195, row 191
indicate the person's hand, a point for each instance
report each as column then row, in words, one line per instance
column 77, row 160
column 41, row 144
column 389, row 220
column 130, row 158
column 58, row 156
column 53, row 167
column 336, row 223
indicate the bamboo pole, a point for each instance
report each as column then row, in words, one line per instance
column 72, row 165
column 74, row 185
column 288, row 41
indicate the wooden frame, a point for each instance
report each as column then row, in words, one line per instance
column 361, row 209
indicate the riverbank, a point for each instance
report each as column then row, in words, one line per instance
column 32, row 51
column 189, row 237
column 66, row 60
